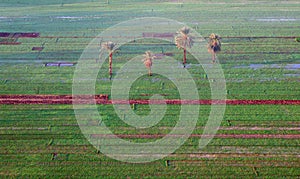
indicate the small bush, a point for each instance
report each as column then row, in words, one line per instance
column 50, row 142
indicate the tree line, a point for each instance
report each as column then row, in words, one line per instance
column 183, row 40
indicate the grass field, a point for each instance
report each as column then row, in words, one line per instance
column 260, row 58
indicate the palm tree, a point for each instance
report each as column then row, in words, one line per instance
column 148, row 57
column 184, row 40
column 109, row 46
column 214, row 45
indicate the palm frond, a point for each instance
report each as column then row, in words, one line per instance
column 184, row 31
column 109, row 46
column 148, row 57
column 184, row 39
column 214, row 43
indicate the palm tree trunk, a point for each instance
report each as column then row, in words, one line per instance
column 149, row 72
column 110, row 65
column 184, row 57
column 213, row 57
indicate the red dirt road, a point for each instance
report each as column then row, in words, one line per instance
column 103, row 99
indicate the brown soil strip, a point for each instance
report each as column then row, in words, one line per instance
column 37, row 48
column 223, row 136
column 10, row 43
column 20, row 34
column 227, row 37
column 103, row 99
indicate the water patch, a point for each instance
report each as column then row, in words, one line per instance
column 153, row 80
column 75, row 18
column 292, row 75
column 196, row 65
column 180, row 65
column 78, row 17
column 3, row 18
column 256, row 66
column 69, row 17
column 241, row 66
column 268, row 79
column 277, row 20
column 261, row 66
column 15, row 17
column 103, row 79
column 186, row 66
column 292, row 66
column 270, row 66
column 275, row 66
column 60, row 64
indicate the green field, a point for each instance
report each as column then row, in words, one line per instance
column 260, row 58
